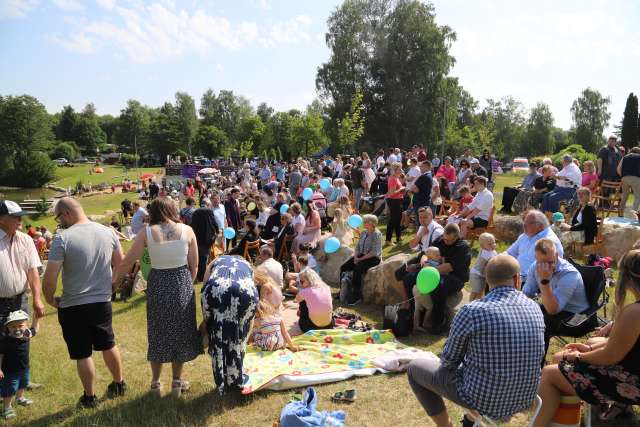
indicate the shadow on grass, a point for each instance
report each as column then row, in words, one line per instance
column 120, row 307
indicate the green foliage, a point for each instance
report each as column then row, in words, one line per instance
column 66, row 124
column 129, row 159
column 246, row 149
column 351, row 126
column 210, row 141
column 630, row 132
column 504, row 121
column 224, row 111
column 577, row 152
column 538, row 137
column 30, row 169
column 590, row 112
column 68, row 150
column 88, row 135
column 164, row 137
column 187, row 121
column 42, row 207
column 133, row 126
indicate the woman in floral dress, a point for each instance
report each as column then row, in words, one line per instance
column 229, row 300
column 609, row 370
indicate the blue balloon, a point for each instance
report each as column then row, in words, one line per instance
column 328, row 162
column 229, row 233
column 325, row 183
column 331, row 245
column 284, row 208
column 307, row 194
column 355, row 221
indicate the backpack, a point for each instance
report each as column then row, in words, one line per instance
column 399, row 320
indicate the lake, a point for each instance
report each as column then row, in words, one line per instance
column 19, row 194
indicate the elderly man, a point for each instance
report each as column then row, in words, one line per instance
column 559, row 285
column 509, row 194
column 476, row 214
column 477, row 169
column 86, row 253
column 491, row 360
column 536, row 227
column 567, row 180
column 454, row 272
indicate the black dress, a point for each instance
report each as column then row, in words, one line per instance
column 588, row 224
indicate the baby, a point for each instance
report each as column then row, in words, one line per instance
column 431, row 258
column 14, row 358
column 476, row 277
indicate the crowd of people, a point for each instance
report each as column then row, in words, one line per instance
column 252, row 237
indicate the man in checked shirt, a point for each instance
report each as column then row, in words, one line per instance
column 491, row 360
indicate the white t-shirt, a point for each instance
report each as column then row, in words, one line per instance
column 571, row 171
column 392, row 158
column 481, row 262
column 484, row 202
column 298, row 219
column 435, row 231
column 413, row 173
column 344, row 191
column 311, row 262
column 380, row 162
column 273, row 269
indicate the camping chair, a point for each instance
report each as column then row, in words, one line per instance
column 483, row 419
column 607, row 199
column 249, row 248
column 595, row 285
column 474, row 233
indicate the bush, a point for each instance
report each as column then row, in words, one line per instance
column 31, row 170
column 129, row 159
column 65, row 150
column 576, row 151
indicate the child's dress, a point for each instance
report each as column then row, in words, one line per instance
column 268, row 335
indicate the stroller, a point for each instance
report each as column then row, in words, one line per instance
column 320, row 203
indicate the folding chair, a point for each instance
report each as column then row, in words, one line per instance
column 483, row 419
column 595, row 285
column 285, row 248
column 249, row 248
column 608, row 198
column 474, row 233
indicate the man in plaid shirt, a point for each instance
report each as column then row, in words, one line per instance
column 491, row 361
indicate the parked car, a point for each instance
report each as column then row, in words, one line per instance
column 82, row 160
column 61, row 161
column 520, row 164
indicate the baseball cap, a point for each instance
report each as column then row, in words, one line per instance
column 16, row 316
column 474, row 160
column 7, row 207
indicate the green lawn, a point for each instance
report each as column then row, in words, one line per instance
column 383, row 400
column 69, row 176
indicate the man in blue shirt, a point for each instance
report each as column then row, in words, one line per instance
column 491, row 360
column 559, row 286
column 536, row 227
column 139, row 216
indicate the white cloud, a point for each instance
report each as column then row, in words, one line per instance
column 16, row 8
column 68, row 5
column 78, row 43
column 264, row 4
column 106, row 4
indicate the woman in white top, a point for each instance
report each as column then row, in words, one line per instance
column 298, row 221
column 171, row 306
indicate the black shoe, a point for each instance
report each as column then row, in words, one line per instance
column 355, row 302
column 466, row 422
column 116, row 389
column 88, row 401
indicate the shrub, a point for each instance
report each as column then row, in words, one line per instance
column 576, row 151
column 31, row 170
column 64, row 149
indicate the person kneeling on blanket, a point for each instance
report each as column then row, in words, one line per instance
column 491, row 360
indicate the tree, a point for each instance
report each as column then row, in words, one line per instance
column 88, row 135
column 185, row 110
column 351, row 126
column 264, row 112
column 507, row 119
column 590, row 116
column 109, row 125
column 630, row 131
column 165, row 137
column 308, row 133
column 31, row 169
column 66, row 150
column 133, row 125
column 211, row 141
column 538, row 138
column 66, row 124
column 224, row 111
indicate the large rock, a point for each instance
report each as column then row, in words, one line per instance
column 377, row 287
column 454, row 303
column 618, row 240
column 508, row 227
column 329, row 264
column 97, row 218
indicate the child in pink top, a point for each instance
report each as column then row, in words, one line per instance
column 316, row 305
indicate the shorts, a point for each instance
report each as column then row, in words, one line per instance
column 479, row 223
column 14, row 381
column 87, row 327
column 477, row 283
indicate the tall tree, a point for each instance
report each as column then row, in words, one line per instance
column 507, row 116
column 264, row 112
column 165, row 137
column 538, row 138
column 351, row 126
column 133, row 126
column 224, row 111
column 187, row 119
column 591, row 115
column 66, row 124
column 109, row 125
column 630, row 131
column 211, row 141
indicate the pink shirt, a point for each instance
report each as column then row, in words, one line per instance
column 319, row 303
column 18, row 255
column 394, row 184
column 587, row 179
column 449, row 172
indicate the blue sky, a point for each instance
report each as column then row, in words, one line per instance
column 107, row 51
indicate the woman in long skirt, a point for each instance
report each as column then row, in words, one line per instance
column 229, row 300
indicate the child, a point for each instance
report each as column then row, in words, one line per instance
column 269, row 332
column 340, row 228
column 316, row 305
column 305, row 249
column 558, row 224
column 465, row 197
column 14, row 359
column 432, row 258
column 476, row 277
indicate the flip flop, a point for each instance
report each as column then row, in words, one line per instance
column 348, row 396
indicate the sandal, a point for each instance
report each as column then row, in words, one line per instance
column 179, row 386
column 614, row 411
column 156, row 388
column 348, row 396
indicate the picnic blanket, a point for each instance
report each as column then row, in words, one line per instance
column 325, row 356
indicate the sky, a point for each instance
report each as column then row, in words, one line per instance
column 107, row 51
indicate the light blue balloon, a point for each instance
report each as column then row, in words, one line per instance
column 284, row 208
column 355, row 221
column 307, row 194
column 331, row 245
column 325, row 183
column 229, row 233
column 329, row 161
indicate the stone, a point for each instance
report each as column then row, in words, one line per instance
column 454, row 303
column 97, row 218
column 507, row 227
column 329, row 264
column 377, row 286
column 618, row 240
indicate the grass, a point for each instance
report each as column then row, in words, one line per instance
column 382, row 399
column 69, row 176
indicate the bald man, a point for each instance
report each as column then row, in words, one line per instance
column 86, row 252
column 491, row 360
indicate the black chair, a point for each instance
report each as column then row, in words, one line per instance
column 595, row 284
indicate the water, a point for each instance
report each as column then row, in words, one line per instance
column 20, row 194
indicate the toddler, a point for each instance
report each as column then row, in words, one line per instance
column 557, row 223
column 14, row 359
column 432, row 258
column 465, row 197
column 476, row 277
column 269, row 332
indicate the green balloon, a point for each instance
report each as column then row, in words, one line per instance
column 428, row 279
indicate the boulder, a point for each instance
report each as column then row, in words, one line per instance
column 97, row 218
column 377, row 287
column 329, row 264
column 618, row 240
column 454, row 303
column 110, row 213
column 508, row 227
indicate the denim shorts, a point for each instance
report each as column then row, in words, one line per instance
column 14, row 381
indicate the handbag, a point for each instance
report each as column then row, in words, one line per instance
column 399, row 320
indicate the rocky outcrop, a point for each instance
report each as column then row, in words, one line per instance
column 97, row 218
column 618, row 240
column 377, row 287
column 507, row 227
column 329, row 264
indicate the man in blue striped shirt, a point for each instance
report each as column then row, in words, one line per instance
column 491, row 360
